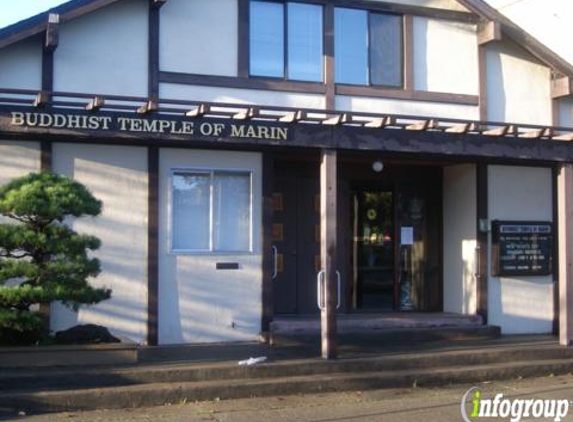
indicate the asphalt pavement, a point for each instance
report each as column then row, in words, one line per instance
column 413, row 404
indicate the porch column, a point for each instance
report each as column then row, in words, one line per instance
column 565, row 253
column 328, row 250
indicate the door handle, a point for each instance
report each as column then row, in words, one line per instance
column 477, row 273
column 275, row 264
column 320, row 279
column 320, row 290
column 339, row 282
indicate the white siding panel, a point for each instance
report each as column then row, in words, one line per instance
column 241, row 96
column 197, row 302
column 118, row 177
column 105, row 52
column 445, row 57
column 565, row 112
column 199, row 36
column 520, row 304
column 21, row 65
column 414, row 108
column 518, row 88
column 18, row 159
column 460, row 239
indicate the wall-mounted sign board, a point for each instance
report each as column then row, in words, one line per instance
column 522, row 248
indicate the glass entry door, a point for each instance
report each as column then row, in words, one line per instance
column 374, row 236
column 396, row 248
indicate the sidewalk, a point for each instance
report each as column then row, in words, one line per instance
column 389, row 405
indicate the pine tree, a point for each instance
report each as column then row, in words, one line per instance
column 43, row 260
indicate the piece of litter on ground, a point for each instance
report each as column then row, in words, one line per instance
column 253, row 361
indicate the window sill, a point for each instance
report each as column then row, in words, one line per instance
column 401, row 94
column 254, row 82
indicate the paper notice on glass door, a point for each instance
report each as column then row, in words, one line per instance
column 407, row 235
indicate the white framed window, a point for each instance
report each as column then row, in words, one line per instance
column 211, row 211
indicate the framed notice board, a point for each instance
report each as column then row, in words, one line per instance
column 522, row 248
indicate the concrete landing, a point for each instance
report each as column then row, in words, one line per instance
column 349, row 323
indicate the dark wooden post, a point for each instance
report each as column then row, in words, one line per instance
column 565, row 225
column 328, row 251
column 482, row 243
column 268, row 259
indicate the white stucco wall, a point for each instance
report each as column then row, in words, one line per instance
column 241, row 96
column 518, row 87
column 414, row 108
column 104, row 52
column 118, row 177
column 520, row 304
column 18, row 159
column 445, row 56
column 460, row 235
column 565, row 116
column 21, row 65
column 199, row 36
column 197, row 302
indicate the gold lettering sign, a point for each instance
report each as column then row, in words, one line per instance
column 45, row 120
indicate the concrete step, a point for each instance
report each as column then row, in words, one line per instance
column 374, row 338
column 65, row 379
column 162, row 393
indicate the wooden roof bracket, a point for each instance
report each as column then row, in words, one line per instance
column 250, row 113
column 463, row 128
column 563, row 137
column 200, row 111
column 158, row 3
column 561, row 87
column 382, row 122
column 148, row 107
column 52, row 32
column 41, row 99
column 293, row 117
column 424, row 125
column 537, row 133
column 339, row 119
column 502, row 131
column 489, row 31
column 96, row 104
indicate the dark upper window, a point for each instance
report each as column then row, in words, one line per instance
column 286, row 40
column 367, row 48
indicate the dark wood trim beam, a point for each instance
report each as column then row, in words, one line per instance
column 152, row 246
column 153, row 53
column 37, row 24
column 243, row 39
column 398, row 94
column 431, row 12
column 328, row 253
column 555, row 195
column 489, row 32
column 158, row 3
column 267, row 243
column 409, row 53
column 45, row 155
column 565, row 251
column 482, row 241
column 482, row 76
column 242, row 83
column 562, row 87
column 52, row 37
column 330, row 101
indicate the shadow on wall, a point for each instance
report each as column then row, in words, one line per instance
column 199, row 304
column 119, row 181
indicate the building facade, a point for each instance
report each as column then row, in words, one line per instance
column 263, row 158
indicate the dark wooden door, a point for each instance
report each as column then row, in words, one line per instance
column 296, row 237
